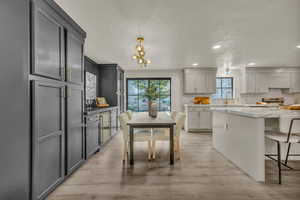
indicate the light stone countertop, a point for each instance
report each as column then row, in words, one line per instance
column 264, row 112
column 229, row 105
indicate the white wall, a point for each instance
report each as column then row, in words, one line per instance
column 176, row 83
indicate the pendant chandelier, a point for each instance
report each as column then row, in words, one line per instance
column 140, row 53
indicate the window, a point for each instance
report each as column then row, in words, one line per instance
column 91, row 85
column 224, row 88
column 136, row 89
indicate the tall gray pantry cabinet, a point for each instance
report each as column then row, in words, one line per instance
column 14, row 103
column 56, row 96
column 41, row 80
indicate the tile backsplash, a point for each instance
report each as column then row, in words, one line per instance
column 253, row 98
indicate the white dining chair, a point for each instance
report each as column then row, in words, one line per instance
column 164, row 134
column 129, row 113
column 289, row 134
column 140, row 135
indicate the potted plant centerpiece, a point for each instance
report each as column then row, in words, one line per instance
column 152, row 94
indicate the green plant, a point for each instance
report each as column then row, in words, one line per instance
column 151, row 92
column 154, row 90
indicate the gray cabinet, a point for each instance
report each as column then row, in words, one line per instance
column 74, row 50
column 75, row 129
column 114, row 121
column 14, row 106
column 48, row 42
column 48, row 136
column 111, row 84
column 105, row 126
column 92, row 134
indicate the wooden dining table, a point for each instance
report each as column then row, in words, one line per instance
column 143, row 120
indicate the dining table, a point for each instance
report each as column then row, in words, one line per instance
column 143, row 120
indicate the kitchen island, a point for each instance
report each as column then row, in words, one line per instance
column 239, row 134
column 199, row 116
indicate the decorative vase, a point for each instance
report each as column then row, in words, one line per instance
column 152, row 109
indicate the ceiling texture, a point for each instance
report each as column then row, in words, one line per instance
column 179, row 33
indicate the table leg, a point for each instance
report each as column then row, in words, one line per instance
column 131, row 145
column 171, row 145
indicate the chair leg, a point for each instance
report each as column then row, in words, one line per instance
column 149, row 150
column 125, row 153
column 179, row 149
column 153, row 149
column 287, row 154
column 175, row 146
column 279, row 161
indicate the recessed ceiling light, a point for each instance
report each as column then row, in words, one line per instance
column 298, row 46
column 195, row 64
column 217, row 46
column 251, row 64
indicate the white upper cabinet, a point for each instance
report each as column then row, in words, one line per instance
column 279, row 80
column 189, row 81
column 295, row 82
column 211, row 81
column 256, row 82
column 200, row 81
column 260, row 80
column 250, row 82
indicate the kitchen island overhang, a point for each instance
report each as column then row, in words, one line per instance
column 239, row 135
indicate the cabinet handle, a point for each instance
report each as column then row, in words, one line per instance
column 63, row 93
column 62, row 73
column 68, row 93
column 69, row 74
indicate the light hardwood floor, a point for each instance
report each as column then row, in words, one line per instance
column 202, row 174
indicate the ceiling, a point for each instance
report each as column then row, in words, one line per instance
column 179, row 33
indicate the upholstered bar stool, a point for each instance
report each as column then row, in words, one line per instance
column 289, row 134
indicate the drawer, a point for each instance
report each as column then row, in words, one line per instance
column 200, row 109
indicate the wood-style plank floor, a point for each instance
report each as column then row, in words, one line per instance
column 202, row 174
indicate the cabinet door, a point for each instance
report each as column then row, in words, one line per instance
column 105, row 125
column 200, row 82
column 250, row 82
column 279, row 80
column 189, row 81
column 295, row 82
column 48, row 137
column 193, row 120
column 75, row 141
column 114, row 121
column 205, row 120
column 261, row 82
column 121, row 104
column 74, row 58
column 92, row 136
column 48, row 42
column 211, row 82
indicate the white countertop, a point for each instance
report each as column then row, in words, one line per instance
column 258, row 112
column 229, row 105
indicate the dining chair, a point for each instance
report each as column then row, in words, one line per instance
column 129, row 113
column 288, row 134
column 140, row 135
column 164, row 135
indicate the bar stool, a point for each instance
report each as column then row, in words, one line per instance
column 287, row 136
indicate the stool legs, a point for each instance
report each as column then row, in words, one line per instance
column 287, row 154
column 279, row 161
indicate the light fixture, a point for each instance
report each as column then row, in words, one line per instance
column 298, row 46
column 217, row 46
column 140, row 53
column 251, row 64
column 195, row 64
